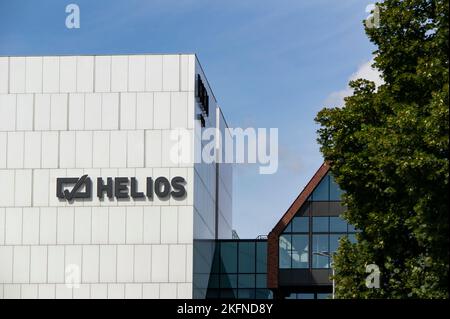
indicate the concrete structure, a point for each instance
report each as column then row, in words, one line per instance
column 105, row 116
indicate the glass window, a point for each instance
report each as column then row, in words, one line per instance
column 213, row 281
column 247, row 257
column 334, row 241
column 228, row 251
column 202, row 252
column 321, row 192
column 335, row 190
column 228, row 293
column 261, row 281
column 304, row 210
column 300, row 251
column 338, row 225
column 284, row 251
column 323, row 296
column 263, row 294
column 210, row 294
column 285, row 242
column 261, row 257
column 320, row 224
column 337, row 208
column 320, row 208
column 320, row 245
column 320, row 262
column 246, row 281
column 300, row 225
column 246, row 293
column 288, row 228
column 201, row 280
column 228, row 281
column 301, row 296
column 216, row 261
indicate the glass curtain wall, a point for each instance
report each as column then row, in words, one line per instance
column 315, row 231
column 239, row 270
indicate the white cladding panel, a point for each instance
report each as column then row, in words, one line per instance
column 105, row 116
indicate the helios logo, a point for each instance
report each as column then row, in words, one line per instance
column 120, row 188
column 79, row 183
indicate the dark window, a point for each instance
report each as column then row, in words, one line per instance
column 320, row 224
column 246, row 293
column 321, row 192
column 288, row 228
column 228, row 293
column 334, row 241
column 246, row 257
column 214, row 281
column 338, row 225
column 246, row 281
column 211, row 294
column 335, row 190
column 263, row 294
column 336, row 208
column 242, row 272
column 228, row 281
column 320, row 208
column 228, row 251
column 261, row 257
column 301, row 296
column 261, row 281
column 216, row 261
column 300, row 225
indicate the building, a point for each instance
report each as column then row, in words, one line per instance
column 294, row 262
column 102, row 193
column 301, row 244
column 94, row 201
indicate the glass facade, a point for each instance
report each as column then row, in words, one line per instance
column 311, row 295
column 314, row 233
column 239, row 270
column 203, row 257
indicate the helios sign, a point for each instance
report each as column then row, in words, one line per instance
column 120, row 188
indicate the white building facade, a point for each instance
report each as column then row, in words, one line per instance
column 113, row 118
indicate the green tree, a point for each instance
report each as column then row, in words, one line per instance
column 388, row 149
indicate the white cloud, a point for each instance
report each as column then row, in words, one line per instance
column 364, row 71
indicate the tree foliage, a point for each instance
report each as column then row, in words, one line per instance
column 388, row 149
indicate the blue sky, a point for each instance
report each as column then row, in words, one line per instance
column 271, row 63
